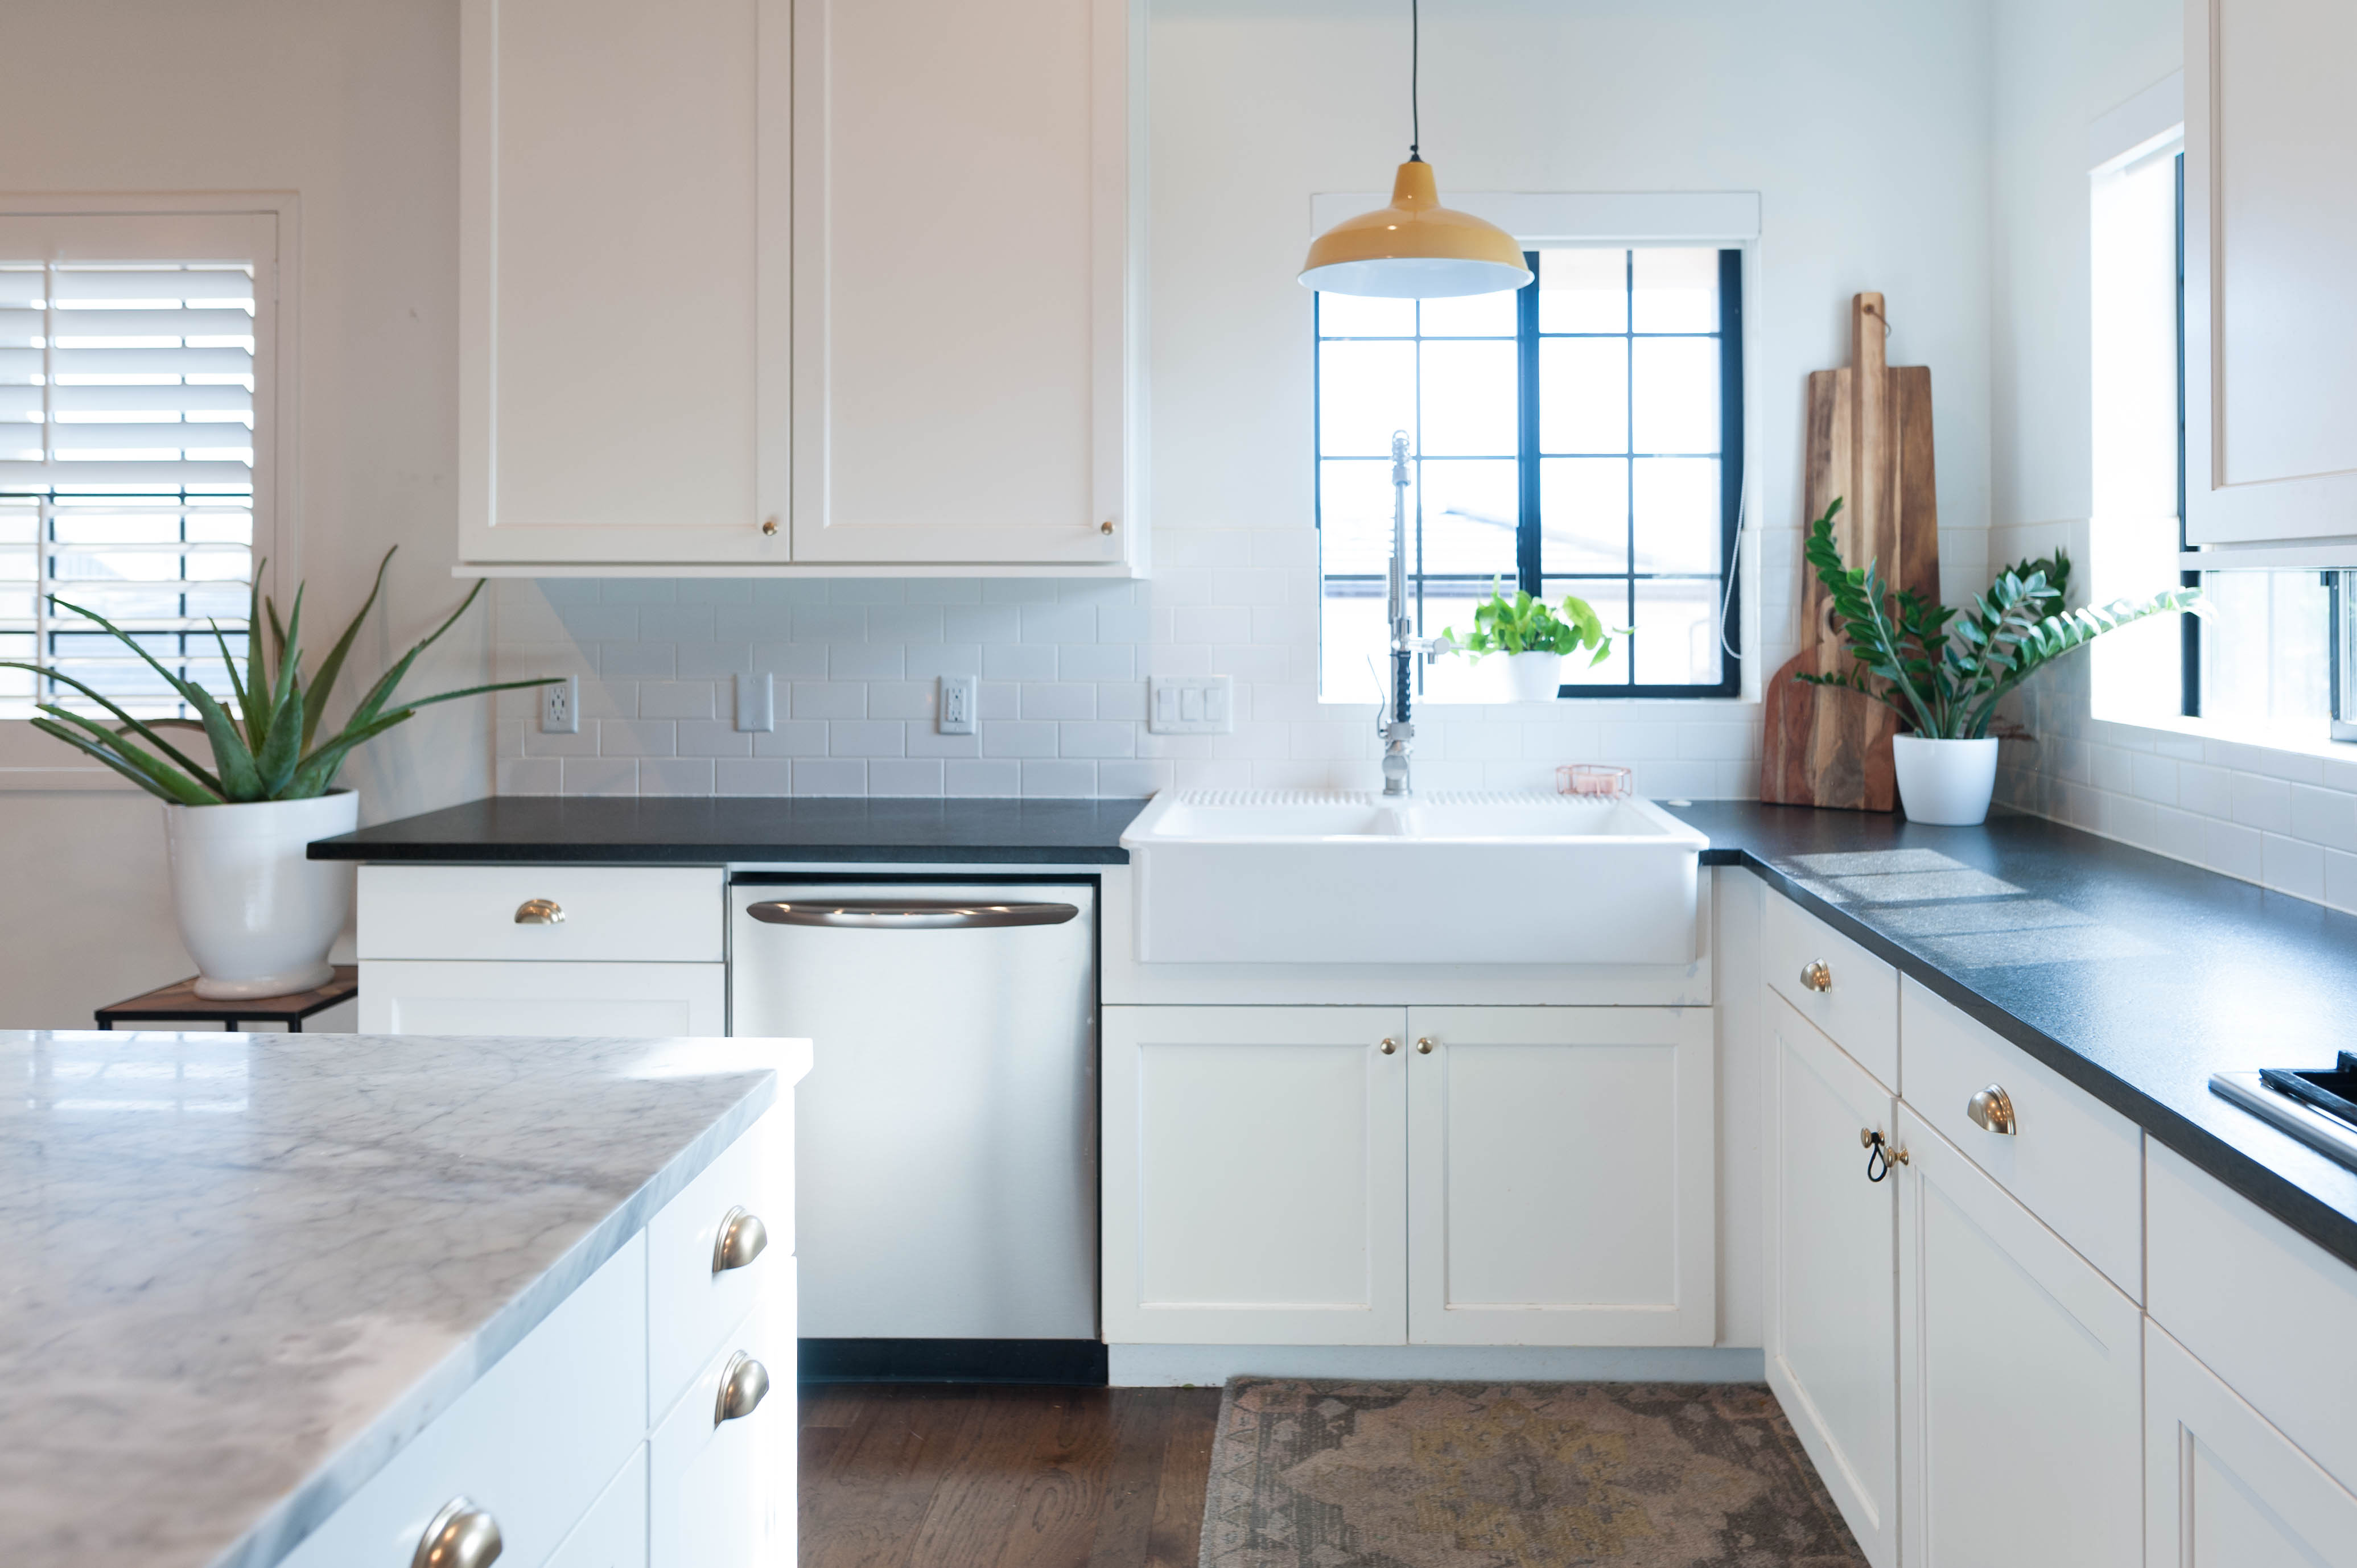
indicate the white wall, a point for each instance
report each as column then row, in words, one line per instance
column 2285, row 819
column 1864, row 127
column 353, row 105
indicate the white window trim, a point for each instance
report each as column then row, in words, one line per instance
column 30, row 760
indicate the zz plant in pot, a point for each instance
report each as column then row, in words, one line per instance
column 254, row 913
column 1943, row 671
column 1535, row 637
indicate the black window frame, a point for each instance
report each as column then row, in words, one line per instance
column 1530, row 573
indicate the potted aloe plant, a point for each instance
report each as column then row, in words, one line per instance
column 256, row 915
column 1943, row 672
column 1535, row 637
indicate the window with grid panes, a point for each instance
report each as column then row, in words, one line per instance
column 127, row 396
column 1582, row 435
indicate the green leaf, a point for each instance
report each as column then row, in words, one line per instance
column 333, row 665
column 144, row 729
column 157, row 778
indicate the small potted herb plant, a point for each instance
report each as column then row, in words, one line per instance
column 256, row 915
column 1943, row 672
column 1535, row 637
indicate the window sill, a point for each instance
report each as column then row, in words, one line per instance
column 2301, row 758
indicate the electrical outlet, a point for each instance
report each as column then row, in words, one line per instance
column 756, row 702
column 560, row 707
column 957, row 705
column 1190, row 705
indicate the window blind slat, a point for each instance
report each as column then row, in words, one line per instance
column 91, row 325
column 68, row 402
column 129, row 476
column 201, row 284
column 69, row 363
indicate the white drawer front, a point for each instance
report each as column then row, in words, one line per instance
column 2075, row 1162
column 452, row 996
column 721, row 1493
column 613, row 1533
column 1857, row 1007
column 2268, row 1310
column 610, row 914
column 534, row 1442
column 691, row 1305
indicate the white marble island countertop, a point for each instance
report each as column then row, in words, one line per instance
column 238, row 1272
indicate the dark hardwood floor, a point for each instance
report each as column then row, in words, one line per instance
column 966, row 1476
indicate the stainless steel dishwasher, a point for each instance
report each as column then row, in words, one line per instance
column 945, row 1140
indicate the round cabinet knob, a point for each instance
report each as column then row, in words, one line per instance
column 743, row 1386
column 540, row 912
column 1424, row 1046
column 461, row 1536
column 1992, row 1110
column 770, row 527
column 1817, row 975
column 1389, row 1046
column 742, row 1238
column 1105, row 527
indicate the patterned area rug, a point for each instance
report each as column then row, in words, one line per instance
column 1337, row 1475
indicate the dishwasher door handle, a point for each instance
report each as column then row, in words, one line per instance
column 905, row 915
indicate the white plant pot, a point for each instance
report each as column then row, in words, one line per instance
column 1945, row 781
column 1534, row 676
column 257, row 917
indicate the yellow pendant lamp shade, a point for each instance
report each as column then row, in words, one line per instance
column 1414, row 249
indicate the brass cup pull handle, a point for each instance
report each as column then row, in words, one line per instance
column 1424, row 1047
column 1880, row 1152
column 743, row 1386
column 1992, row 1110
column 461, row 1536
column 1389, row 1046
column 540, row 912
column 1817, row 975
column 742, row 1238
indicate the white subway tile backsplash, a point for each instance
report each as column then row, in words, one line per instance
column 675, row 776
column 905, row 775
column 1017, row 737
column 830, row 776
column 968, row 777
column 1060, row 777
column 829, row 700
column 866, row 737
column 793, row 737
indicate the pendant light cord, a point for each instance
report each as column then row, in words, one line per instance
column 1415, row 85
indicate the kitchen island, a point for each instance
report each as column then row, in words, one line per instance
column 282, row 1298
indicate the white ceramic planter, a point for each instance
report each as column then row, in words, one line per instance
column 1945, row 781
column 1534, row 676
column 256, row 915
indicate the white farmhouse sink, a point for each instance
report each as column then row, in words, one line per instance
column 1270, row 876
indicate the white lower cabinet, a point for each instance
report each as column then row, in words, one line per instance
column 2223, row 1487
column 613, row 1533
column 1385, row 1176
column 1560, row 1176
column 2020, row 1380
column 449, row 996
column 1255, row 1175
column 1831, row 1315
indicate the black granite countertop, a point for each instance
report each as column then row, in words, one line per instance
column 2132, row 975
column 546, row 829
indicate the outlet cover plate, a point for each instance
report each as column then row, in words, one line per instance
column 1190, row 705
column 756, row 702
column 958, row 693
column 560, row 707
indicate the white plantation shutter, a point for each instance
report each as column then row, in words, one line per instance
column 128, row 398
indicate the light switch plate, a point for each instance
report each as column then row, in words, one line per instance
column 1190, row 705
column 958, row 695
column 756, row 702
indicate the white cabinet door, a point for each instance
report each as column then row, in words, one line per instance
column 2020, row 1380
column 1561, row 1176
column 613, row 1533
column 625, row 300
column 1255, row 1175
column 2224, row 1489
column 720, row 1492
column 1832, row 1268
column 435, row 996
column 967, row 331
column 2270, row 225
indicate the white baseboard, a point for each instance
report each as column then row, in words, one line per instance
column 1169, row 1366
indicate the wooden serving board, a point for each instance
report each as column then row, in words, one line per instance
column 1869, row 444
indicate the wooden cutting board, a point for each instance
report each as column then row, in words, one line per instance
column 1869, row 444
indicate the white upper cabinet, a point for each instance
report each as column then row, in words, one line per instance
column 2270, row 225
column 785, row 283
column 966, row 312
column 625, row 281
